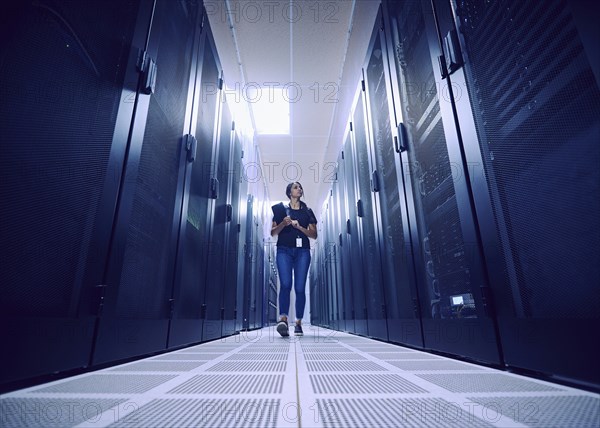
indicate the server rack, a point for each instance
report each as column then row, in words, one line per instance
column 123, row 228
column 241, row 309
column 187, row 311
column 144, row 240
column 355, row 252
column 218, row 218
column 399, row 299
column 63, row 89
column 334, row 261
column 270, row 294
column 345, row 244
column 232, row 237
column 249, row 276
column 345, row 287
column 530, row 125
column 374, row 312
column 325, row 294
column 454, row 291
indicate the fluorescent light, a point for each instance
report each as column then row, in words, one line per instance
column 271, row 109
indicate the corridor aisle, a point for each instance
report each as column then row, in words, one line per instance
column 323, row 379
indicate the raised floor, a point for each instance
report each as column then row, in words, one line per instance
column 323, row 379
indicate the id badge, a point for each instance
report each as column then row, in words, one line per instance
column 298, row 242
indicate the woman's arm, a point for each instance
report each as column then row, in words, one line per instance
column 276, row 228
column 311, row 231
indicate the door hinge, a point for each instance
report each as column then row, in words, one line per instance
column 148, row 69
column 452, row 53
column 375, row 182
column 442, row 64
column 191, row 145
column 401, row 140
column 220, row 83
column 362, row 84
column 214, row 188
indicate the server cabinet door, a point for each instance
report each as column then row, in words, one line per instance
column 313, row 284
column 266, row 285
column 217, row 245
column 188, row 311
column 326, row 267
column 343, row 241
column 260, row 288
column 232, row 215
column 139, row 283
column 333, row 262
column 248, row 276
column 530, row 120
column 67, row 95
column 353, row 244
column 374, row 312
column 389, row 204
column 446, row 245
column 242, row 279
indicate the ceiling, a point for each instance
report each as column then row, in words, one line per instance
column 315, row 49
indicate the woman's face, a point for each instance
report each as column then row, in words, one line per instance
column 296, row 191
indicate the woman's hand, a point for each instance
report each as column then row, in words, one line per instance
column 276, row 228
column 295, row 224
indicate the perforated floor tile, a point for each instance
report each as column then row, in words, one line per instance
column 299, row 382
column 108, row 383
column 182, row 413
column 344, row 366
column 184, row 357
column 485, row 382
column 538, row 411
column 333, row 356
column 159, row 366
column 393, row 412
column 231, row 384
column 424, row 365
column 255, row 356
column 249, row 366
column 407, row 356
column 362, row 384
column 53, row 412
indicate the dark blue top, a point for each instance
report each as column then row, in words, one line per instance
column 287, row 236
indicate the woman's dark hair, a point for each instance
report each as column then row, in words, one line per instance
column 288, row 192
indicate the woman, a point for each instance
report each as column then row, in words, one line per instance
column 294, row 223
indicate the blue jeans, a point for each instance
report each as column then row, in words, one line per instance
column 298, row 261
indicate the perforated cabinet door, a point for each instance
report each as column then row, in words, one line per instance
column 530, row 116
column 449, row 267
column 140, row 276
column 67, row 91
